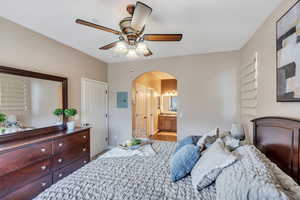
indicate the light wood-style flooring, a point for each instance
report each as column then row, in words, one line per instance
column 165, row 136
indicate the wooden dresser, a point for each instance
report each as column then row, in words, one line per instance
column 28, row 166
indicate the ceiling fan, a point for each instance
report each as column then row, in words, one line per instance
column 132, row 37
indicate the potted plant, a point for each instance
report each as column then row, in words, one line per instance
column 58, row 112
column 70, row 113
column 2, row 120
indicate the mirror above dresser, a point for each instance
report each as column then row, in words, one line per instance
column 28, row 101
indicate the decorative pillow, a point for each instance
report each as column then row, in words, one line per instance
column 183, row 161
column 249, row 178
column 230, row 142
column 211, row 164
column 187, row 140
column 208, row 138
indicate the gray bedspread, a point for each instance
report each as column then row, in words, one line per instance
column 127, row 178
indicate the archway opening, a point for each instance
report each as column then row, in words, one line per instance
column 154, row 106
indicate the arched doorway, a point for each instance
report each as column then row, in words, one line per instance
column 154, row 106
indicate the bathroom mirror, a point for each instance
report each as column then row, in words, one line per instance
column 28, row 100
column 169, row 104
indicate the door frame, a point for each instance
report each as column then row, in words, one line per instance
column 83, row 104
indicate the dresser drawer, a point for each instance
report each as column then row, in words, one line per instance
column 70, row 155
column 17, row 159
column 31, row 190
column 61, row 173
column 69, row 142
column 16, row 179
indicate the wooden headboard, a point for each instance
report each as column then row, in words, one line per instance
column 278, row 139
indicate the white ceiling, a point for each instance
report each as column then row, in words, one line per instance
column 207, row 25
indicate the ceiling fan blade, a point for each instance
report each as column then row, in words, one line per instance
column 109, row 46
column 86, row 23
column 140, row 15
column 163, row 37
column 149, row 53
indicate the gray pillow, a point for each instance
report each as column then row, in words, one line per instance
column 211, row 164
column 208, row 138
column 249, row 178
column 230, row 142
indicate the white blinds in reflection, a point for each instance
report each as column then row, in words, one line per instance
column 249, row 87
column 13, row 93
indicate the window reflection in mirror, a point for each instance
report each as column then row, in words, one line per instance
column 169, row 104
column 28, row 103
column 173, row 104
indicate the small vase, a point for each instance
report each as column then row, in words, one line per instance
column 71, row 125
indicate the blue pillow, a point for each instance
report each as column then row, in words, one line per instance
column 183, row 161
column 186, row 140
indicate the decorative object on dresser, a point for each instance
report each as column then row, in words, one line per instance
column 58, row 112
column 70, row 113
column 2, row 120
column 288, row 49
column 28, row 166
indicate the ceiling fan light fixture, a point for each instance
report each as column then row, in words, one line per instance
column 140, row 16
column 142, row 48
column 132, row 54
column 121, row 48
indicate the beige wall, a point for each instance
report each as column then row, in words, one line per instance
column 207, row 89
column 23, row 48
column 264, row 42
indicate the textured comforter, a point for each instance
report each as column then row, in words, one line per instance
column 127, row 178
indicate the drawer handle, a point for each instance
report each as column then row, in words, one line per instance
column 44, row 184
column 84, row 149
column 60, row 144
column 84, row 161
column 60, row 160
column 43, row 149
column 60, row 175
column 84, row 137
column 43, row 167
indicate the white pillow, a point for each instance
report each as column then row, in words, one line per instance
column 251, row 177
column 211, row 164
column 208, row 138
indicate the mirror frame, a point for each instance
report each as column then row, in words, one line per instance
column 38, row 131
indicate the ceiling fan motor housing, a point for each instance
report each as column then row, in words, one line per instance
column 126, row 29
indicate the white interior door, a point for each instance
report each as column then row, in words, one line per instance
column 150, row 113
column 94, row 113
column 141, row 112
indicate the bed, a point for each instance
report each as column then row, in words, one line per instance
column 141, row 178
